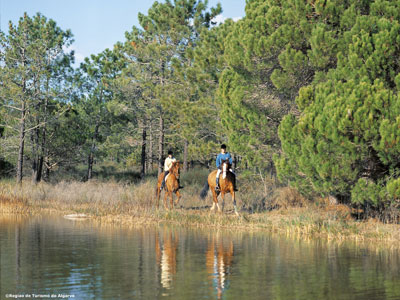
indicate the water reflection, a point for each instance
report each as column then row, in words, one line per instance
column 166, row 247
column 219, row 257
column 91, row 261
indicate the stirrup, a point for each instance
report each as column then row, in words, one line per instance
column 217, row 188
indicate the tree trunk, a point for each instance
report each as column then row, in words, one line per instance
column 39, row 169
column 43, row 150
column 150, row 148
column 46, row 173
column 161, row 136
column 34, row 154
column 161, row 145
column 36, row 135
column 91, row 153
column 143, row 156
column 185, row 156
column 37, row 163
column 90, row 166
column 20, row 162
column 271, row 169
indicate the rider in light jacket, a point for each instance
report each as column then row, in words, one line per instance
column 167, row 165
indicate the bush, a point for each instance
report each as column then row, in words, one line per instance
column 6, row 169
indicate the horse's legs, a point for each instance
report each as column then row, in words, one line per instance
column 170, row 194
column 234, row 200
column 221, row 209
column 158, row 193
column 158, row 196
column 179, row 197
column 215, row 199
column 165, row 199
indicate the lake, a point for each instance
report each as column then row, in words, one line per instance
column 54, row 258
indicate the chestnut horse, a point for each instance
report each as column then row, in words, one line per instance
column 226, row 184
column 171, row 185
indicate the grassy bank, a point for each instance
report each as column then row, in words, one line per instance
column 133, row 204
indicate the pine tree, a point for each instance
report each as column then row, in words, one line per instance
column 156, row 52
column 275, row 50
column 97, row 75
column 345, row 140
column 31, row 54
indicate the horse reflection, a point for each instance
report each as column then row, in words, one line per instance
column 166, row 257
column 219, row 257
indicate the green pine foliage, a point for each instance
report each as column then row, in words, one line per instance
column 344, row 140
column 33, row 72
column 277, row 48
column 169, row 92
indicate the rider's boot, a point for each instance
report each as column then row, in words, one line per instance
column 162, row 184
column 217, row 186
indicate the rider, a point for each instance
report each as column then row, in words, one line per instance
column 167, row 165
column 224, row 156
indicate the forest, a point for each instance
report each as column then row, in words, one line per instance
column 306, row 90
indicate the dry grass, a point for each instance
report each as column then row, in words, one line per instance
column 286, row 197
column 94, row 198
column 133, row 204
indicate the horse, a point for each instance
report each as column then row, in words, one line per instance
column 226, row 184
column 171, row 185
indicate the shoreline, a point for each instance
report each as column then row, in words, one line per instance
column 307, row 221
column 133, row 205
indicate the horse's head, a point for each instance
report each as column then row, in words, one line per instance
column 225, row 166
column 175, row 169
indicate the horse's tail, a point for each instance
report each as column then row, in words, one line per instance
column 204, row 191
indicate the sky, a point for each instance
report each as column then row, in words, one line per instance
column 96, row 24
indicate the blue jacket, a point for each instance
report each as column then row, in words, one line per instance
column 222, row 157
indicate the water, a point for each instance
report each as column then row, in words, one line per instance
column 54, row 256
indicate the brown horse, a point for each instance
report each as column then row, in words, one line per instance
column 171, row 185
column 226, row 185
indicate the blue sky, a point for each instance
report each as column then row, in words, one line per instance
column 96, row 24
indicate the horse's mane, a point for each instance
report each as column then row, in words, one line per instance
column 175, row 165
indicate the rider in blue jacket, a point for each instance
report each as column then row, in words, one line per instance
column 224, row 156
